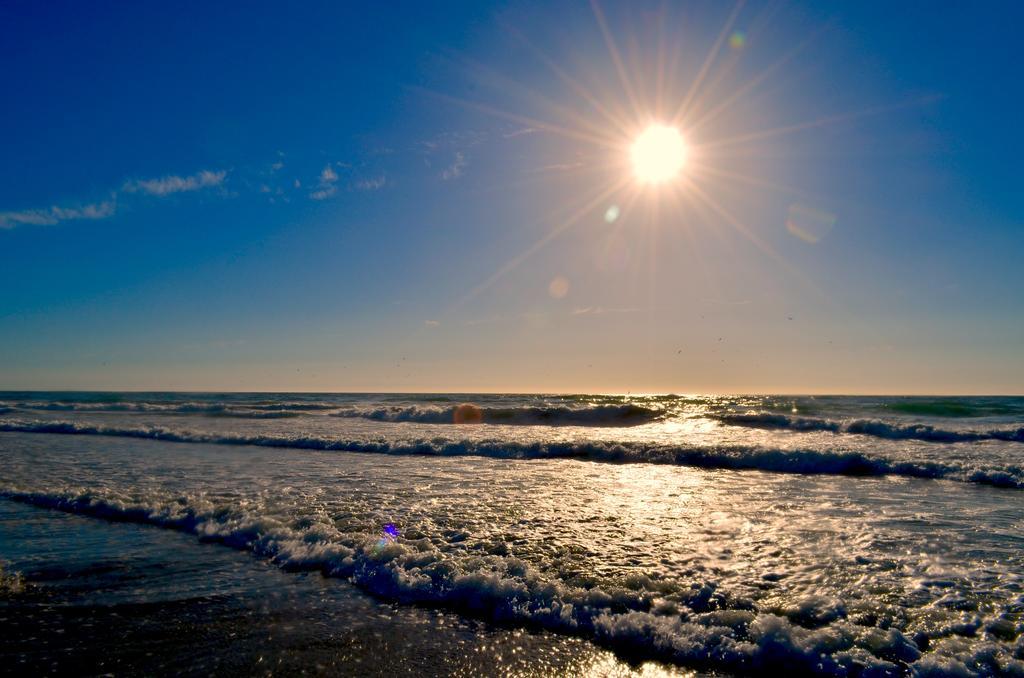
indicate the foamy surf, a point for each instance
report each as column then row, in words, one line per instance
column 697, row 625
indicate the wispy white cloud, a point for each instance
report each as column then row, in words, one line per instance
column 325, row 188
column 451, row 141
column 431, row 323
column 176, row 184
column 601, row 310
column 560, row 167
column 323, row 193
column 374, row 184
column 519, row 132
column 57, row 214
column 328, row 175
column 101, row 210
column 454, row 170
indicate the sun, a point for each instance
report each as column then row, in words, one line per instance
column 659, row 154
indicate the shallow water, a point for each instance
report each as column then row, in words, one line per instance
column 851, row 534
column 117, row 598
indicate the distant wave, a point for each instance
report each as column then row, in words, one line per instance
column 810, row 462
column 244, row 411
column 548, row 415
column 869, row 427
column 956, row 408
column 552, row 415
column 698, row 625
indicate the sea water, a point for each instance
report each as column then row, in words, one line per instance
column 563, row 534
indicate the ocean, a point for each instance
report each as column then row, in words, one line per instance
column 375, row 534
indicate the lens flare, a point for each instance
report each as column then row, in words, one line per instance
column 558, row 287
column 659, row 154
column 808, row 223
column 467, row 413
column 388, row 536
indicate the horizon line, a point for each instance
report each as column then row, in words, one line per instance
column 679, row 394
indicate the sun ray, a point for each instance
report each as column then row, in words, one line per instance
column 754, row 238
column 521, row 119
column 652, row 264
column 751, row 84
column 492, row 77
column 676, row 198
column 668, row 70
column 659, row 72
column 613, row 51
column 708, row 61
column 747, row 179
column 810, row 124
column 578, row 88
column 515, row 261
column 543, row 175
column 755, row 27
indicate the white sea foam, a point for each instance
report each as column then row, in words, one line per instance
column 697, row 625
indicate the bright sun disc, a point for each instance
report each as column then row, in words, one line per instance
column 658, row 154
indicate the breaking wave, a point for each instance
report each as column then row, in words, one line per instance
column 552, row 415
column 737, row 457
column 549, row 415
column 869, row 427
column 696, row 624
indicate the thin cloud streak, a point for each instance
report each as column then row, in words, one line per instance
column 600, row 310
column 57, row 214
column 374, row 184
column 519, row 132
column 323, row 193
column 159, row 187
column 175, row 184
column 560, row 167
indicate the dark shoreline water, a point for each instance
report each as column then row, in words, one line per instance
column 100, row 598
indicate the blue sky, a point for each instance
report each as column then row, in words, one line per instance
column 329, row 197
